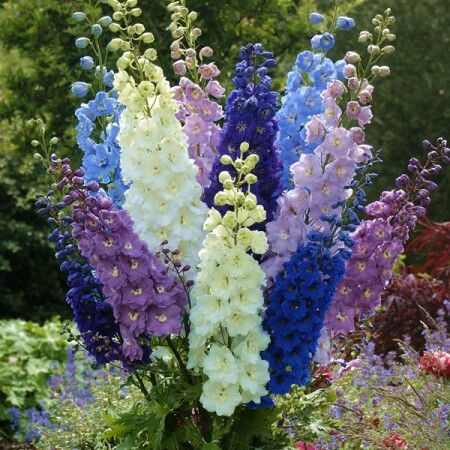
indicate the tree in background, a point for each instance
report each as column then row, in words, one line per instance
column 416, row 100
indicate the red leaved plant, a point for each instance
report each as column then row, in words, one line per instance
column 434, row 243
column 406, row 302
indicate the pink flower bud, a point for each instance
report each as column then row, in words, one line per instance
column 179, row 67
column 350, row 71
column 352, row 57
column 353, row 83
column 358, row 135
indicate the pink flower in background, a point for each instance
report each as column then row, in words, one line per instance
column 303, row 446
column 394, row 441
column 436, row 363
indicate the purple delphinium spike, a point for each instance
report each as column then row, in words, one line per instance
column 145, row 300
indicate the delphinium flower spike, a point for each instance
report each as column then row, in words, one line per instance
column 145, row 299
column 163, row 199
column 381, row 237
column 309, row 240
column 303, row 98
column 226, row 336
column 98, row 119
column 93, row 316
column 328, row 191
column 250, row 116
column 197, row 90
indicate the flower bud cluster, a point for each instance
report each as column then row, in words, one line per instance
column 163, row 198
column 226, row 335
column 184, row 47
column 145, row 300
column 250, row 117
column 94, row 26
column 379, row 42
column 379, row 240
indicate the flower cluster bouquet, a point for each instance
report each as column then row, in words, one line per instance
column 209, row 250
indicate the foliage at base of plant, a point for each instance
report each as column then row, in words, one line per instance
column 73, row 414
column 386, row 403
column 29, row 355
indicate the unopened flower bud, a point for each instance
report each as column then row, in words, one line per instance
column 148, row 38
column 350, row 71
column 385, row 31
column 125, row 46
column 136, row 12
column 175, row 46
column 375, row 21
column 244, row 147
column 353, row 83
column 364, row 36
column 376, row 70
column 388, row 49
column 190, row 53
column 192, row 15
column 352, row 57
column 387, row 11
column 79, row 16
column 139, row 28
column 131, row 3
column 177, row 33
column 240, row 198
column 228, row 184
column 251, row 178
column 38, row 157
column 115, row 44
column 122, row 63
column 224, row 175
column 115, row 27
column 54, row 140
column 151, row 54
column 246, row 169
column 385, row 71
column 118, row 16
column 206, row 52
column 373, row 49
column 196, row 32
column 252, row 160
column 249, row 204
column 82, row 42
column 226, row 160
column 105, row 21
column 391, row 37
column 220, row 198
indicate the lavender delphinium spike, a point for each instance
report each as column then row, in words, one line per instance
column 381, row 238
